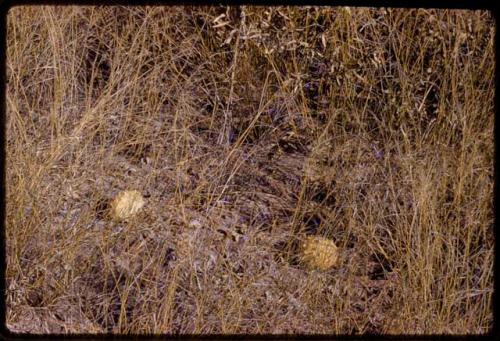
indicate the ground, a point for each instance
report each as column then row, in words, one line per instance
column 247, row 129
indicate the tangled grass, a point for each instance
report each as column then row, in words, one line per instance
column 246, row 128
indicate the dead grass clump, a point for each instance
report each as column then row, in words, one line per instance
column 247, row 129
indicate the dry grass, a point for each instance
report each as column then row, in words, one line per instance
column 247, row 128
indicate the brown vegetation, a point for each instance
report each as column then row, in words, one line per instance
column 246, row 129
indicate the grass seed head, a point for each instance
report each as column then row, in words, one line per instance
column 318, row 253
column 126, row 204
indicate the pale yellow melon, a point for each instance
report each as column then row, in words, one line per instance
column 126, row 204
column 318, row 253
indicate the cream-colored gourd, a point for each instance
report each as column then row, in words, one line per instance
column 318, row 253
column 126, row 204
